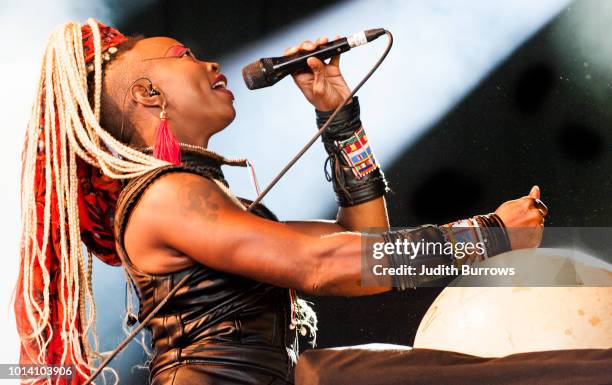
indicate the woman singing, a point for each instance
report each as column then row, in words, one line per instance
column 116, row 157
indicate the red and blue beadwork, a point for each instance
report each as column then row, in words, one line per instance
column 357, row 153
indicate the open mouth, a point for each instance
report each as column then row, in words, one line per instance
column 220, row 84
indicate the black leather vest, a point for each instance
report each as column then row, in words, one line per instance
column 216, row 318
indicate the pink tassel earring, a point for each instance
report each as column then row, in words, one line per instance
column 166, row 146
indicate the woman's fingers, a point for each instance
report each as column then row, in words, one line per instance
column 306, row 45
column 535, row 192
column 335, row 60
column 291, row 50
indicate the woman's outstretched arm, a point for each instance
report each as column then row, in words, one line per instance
column 194, row 217
column 185, row 216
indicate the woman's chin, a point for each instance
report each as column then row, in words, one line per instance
column 226, row 122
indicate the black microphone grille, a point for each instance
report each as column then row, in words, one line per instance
column 253, row 75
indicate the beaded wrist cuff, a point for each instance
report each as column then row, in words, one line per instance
column 486, row 230
column 354, row 172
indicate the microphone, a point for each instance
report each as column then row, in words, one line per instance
column 267, row 71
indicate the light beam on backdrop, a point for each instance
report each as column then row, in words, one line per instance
column 586, row 35
column 442, row 50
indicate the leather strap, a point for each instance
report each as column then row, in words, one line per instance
column 354, row 181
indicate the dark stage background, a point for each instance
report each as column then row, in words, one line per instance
column 541, row 117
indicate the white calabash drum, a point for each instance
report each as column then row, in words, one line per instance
column 497, row 321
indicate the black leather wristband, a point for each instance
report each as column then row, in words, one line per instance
column 351, row 186
column 345, row 123
column 423, row 234
column 490, row 231
column 495, row 234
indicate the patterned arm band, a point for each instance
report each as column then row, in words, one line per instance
column 487, row 230
column 355, row 174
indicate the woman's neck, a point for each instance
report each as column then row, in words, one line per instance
column 186, row 147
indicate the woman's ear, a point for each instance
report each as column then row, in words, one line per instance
column 147, row 95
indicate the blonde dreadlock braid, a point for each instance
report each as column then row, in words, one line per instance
column 71, row 129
